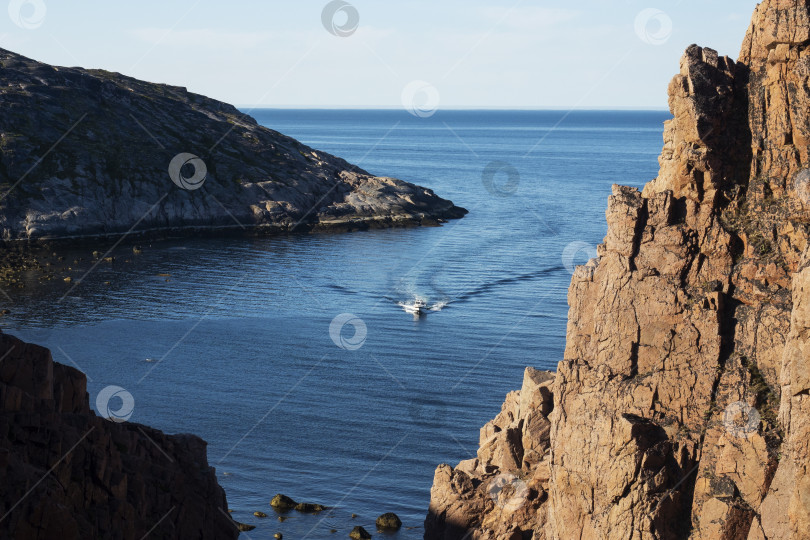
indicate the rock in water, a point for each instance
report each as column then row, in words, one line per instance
column 282, row 502
column 309, row 508
column 359, row 533
column 118, row 138
column 680, row 408
column 94, row 478
column 389, row 521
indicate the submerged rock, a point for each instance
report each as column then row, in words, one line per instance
column 309, row 508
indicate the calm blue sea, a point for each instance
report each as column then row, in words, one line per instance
column 239, row 330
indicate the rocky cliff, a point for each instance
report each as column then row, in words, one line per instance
column 69, row 474
column 93, row 153
column 681, row 408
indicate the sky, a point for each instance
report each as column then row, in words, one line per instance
column 518, row 54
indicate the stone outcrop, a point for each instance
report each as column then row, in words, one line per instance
column 86, row 153
column 681, row 408
column 67, row 473
column 501, row 492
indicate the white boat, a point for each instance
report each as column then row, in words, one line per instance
column 417, row 307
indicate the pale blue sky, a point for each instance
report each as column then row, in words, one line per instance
column 476, row 53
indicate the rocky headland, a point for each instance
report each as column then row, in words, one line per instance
column 681, row 408
column 88, row 153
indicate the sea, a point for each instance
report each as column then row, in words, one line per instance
column 293, row 357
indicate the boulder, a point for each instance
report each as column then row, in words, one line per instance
column 282, row 502
column 389, row 521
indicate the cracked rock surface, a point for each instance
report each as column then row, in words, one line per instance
column 681, row 408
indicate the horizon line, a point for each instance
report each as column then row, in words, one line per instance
column 473, row 108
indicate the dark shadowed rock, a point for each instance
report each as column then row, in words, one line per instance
column 68, row 474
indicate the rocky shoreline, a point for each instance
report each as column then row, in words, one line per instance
column 24, row 261
column 89, row 154
column 681, row 408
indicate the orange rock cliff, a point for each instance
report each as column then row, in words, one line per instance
column 681, row 408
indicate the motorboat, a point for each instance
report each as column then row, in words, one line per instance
column 417, row 307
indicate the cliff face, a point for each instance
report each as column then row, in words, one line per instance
column 88, row 153
column 67, row 473
column 681, row 408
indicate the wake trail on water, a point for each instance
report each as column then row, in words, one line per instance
column 416, row 293
column 435, row 296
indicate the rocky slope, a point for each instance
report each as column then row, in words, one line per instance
column 69, row 474
column 681, row 408
column 89, row 152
